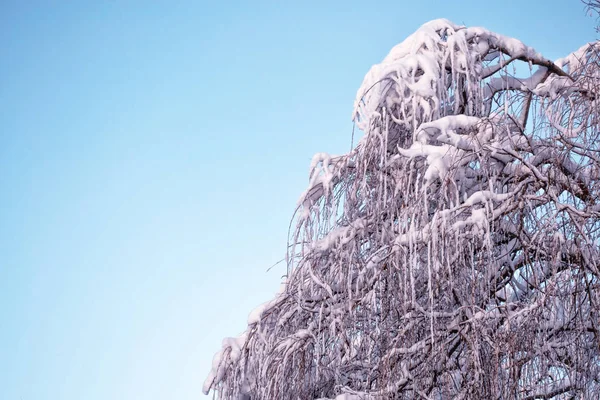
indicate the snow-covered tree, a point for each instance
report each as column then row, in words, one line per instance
column 454, row 252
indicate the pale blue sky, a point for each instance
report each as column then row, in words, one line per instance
column 151, row 155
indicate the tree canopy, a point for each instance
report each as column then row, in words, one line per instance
column 454, row 252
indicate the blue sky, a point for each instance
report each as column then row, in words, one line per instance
column 151, row 156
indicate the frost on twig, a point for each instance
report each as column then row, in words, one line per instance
column 454, row 252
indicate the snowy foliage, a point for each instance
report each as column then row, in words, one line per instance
column 454, row 252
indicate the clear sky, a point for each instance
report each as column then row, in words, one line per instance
column 151, row 156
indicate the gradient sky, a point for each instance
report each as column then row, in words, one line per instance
column 151, row 156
